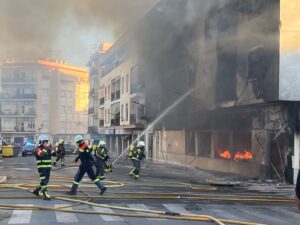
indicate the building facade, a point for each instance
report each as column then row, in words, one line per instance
column 240, row 59
column 42, row 97
column 121, row 101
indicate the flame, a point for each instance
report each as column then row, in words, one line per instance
column 82, row 95
column 243, row 156
column 64, row 68
column 82, row 86
column 225, row 154
column 104, row 47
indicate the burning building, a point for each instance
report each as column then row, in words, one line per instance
column 240, row 58
column 42, row 96
column 243, row 116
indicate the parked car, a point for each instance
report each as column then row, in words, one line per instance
column 70, row 149
column 28, row 149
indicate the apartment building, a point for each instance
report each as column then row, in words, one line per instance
column 42, row 97
column 121, row 99
column 240, row 58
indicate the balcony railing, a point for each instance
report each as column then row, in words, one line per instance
column 7, row 80
column 17, row 114
column 115, row 122
column 18, row 96
column 136, row 88
column 17, row 129
column 137, row 119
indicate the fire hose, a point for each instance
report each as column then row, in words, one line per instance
column 155, row 195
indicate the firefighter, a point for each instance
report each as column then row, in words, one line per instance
column 101, row 158
column 130, row 152
column 86, row 166
column 61, row 152
column 137, row 155
column 43, row 161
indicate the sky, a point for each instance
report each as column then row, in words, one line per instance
column 68, row 30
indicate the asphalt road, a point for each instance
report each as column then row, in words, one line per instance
column 155, row 180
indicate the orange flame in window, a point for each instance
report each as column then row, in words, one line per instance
column 225, row 154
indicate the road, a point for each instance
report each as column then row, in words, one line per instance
column 162, row 188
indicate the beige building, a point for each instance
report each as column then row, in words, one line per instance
column 121, row 100
column 42, row 97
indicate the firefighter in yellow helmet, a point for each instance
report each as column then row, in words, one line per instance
column 138, row 154
column 61, row 152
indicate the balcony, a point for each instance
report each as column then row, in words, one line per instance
column 101, row 101
column 17, row 114
column 137, row 119
column 17, row 130
column 91, row 110
column 13, row 80
column 136, row 88
column 115, row 122
column 18, row 97
column 92, row 130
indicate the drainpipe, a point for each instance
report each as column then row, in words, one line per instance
column 296, row 156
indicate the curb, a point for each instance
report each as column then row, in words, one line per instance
column 222, row 183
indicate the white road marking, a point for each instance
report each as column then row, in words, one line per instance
column 20, row 216
column 62, row 217
column 107, row 218
column 178, row 208
column 142, row 206
column 22, row 169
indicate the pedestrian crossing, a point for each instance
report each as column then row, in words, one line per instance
column 244, row 213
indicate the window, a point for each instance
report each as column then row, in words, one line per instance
column 226, row 76
column 109, row 92
column 122, row 113
column 204, row 144
column 122, row 85
column 126, row 112
column 115, row 89
column 257, row 66
column 223, row 148
column 115, row 114
column 127, row 82
column 190, row 140
column 106, row 93
column 251, row 7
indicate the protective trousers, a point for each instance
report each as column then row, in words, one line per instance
column 137, row 167
column 100, row 166
column 85, row 167
column 62, row 158
column 44, row 180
